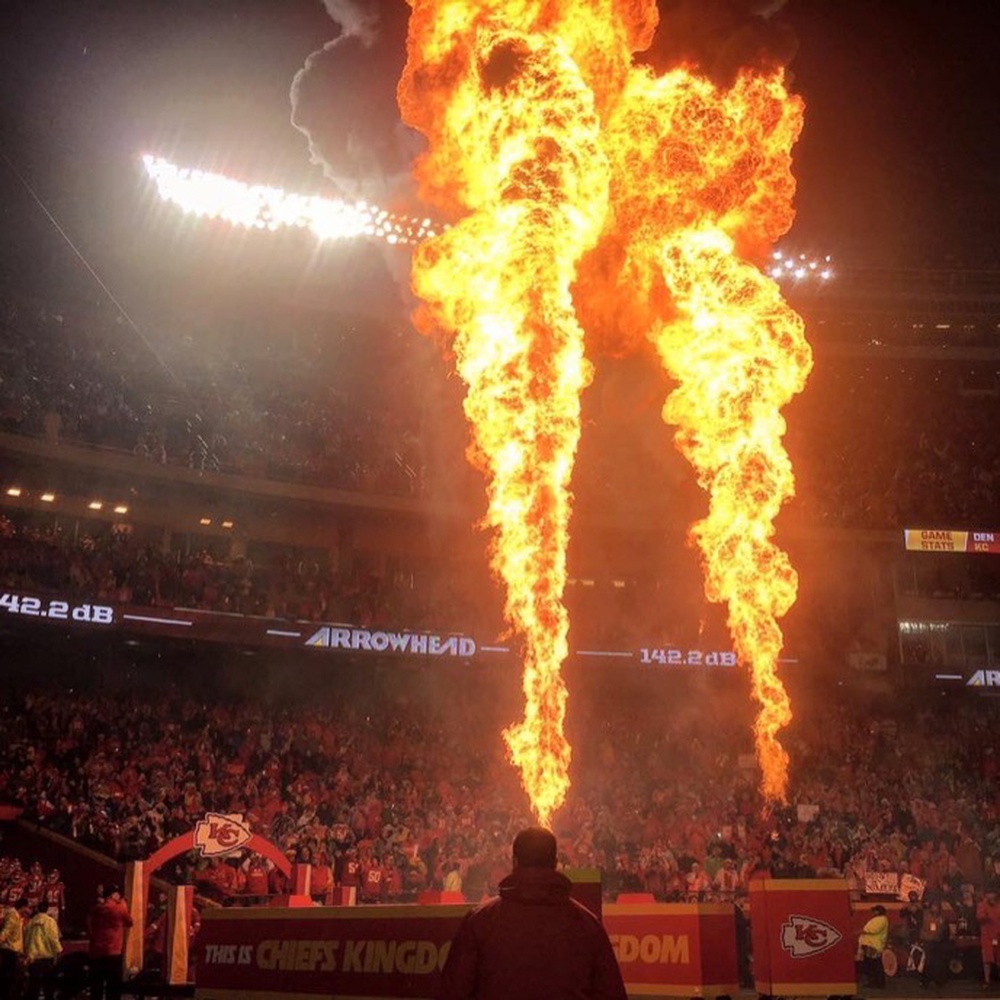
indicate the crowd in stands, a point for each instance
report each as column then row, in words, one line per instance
column 288, row 409
column 395, row 792
column 107, row 564
column 876, row 442
column 103, row 562
column 890, row 444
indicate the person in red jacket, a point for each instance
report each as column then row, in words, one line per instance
column 534, row 941
column 322, row 878
column 106, row 925
column 988, row 916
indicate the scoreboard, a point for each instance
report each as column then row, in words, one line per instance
column 938, row 540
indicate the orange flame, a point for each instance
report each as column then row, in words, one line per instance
column 514, row 151
column 701, row 174
column 588, row 193
column 739, row 356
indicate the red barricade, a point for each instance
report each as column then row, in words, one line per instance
column 674, row 949
column 803, row 943
column 356, row 951
column 399, row 951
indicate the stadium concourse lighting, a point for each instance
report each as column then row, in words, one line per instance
column 800, row 267
column 256, row 206
column 47, row 497
column 95, row 505
column 121, row 509
column 13, row 491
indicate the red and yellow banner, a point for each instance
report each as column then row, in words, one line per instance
column 948, row 540
column 664, row 950
column 372, row 951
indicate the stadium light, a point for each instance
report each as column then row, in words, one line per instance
column 800, row 268
column 47, row 497
column 95, row 505
column 258, row 206
column 14, row 491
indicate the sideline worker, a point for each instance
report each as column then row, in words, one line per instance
column 11, row 947
column 533, row 942
column 871, row 943
column 42, row 949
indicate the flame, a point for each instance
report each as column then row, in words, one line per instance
column 588, row 193
column 738, row 355
column 703, row 185
column 505, row 93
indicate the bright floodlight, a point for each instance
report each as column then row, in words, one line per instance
column 800, row 267
column 255, row 206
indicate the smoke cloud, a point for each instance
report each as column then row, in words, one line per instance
column 344, row 102
column 721, row 37
column 355, row 20
column 344, row 96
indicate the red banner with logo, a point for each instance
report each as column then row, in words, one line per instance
column 803, row 943
column 371, row 951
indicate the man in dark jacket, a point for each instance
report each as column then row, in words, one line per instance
column 534, row 942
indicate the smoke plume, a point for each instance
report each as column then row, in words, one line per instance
column 344, row 102
column 721, row 37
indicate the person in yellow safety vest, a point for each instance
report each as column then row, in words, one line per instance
column 871, row 944
column 41, row 949
column 11, row 947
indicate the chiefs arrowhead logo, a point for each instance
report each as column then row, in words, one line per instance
column 219, row 834
column 802, row 936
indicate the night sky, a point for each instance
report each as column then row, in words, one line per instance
column 899, row 162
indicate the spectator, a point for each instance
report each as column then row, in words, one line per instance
column 256, row 872
column 697, row 883
column 934, row 939
column 988, row 917
column 912, row 916
column 321, row 884
column 726, row 880
column 452, row 881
